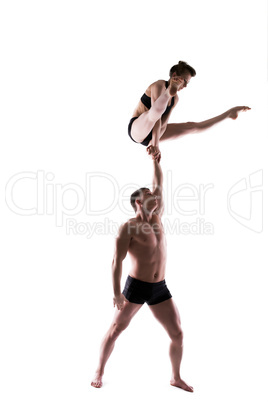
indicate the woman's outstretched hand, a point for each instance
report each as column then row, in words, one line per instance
column 233, row 113
column 154, row 151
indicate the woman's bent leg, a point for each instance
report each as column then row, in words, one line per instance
column 142, row 126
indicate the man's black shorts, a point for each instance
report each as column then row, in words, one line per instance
column 139, row 292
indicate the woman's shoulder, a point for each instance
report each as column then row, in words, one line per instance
column 157, row 84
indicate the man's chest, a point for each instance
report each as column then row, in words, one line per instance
column 150, row 235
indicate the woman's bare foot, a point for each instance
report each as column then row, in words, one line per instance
column 233, row 113
column 181, row 384
column 97, row 382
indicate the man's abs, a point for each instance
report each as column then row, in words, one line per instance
column 147, row 251
column 148, row 265
column 147, row 274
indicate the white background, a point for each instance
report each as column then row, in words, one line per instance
column 71, row 75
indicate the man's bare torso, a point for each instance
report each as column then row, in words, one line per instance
column 147, row 249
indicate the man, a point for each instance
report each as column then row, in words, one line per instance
column 143, row 238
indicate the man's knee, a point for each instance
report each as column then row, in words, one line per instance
column 118, row 328
column 176, row 335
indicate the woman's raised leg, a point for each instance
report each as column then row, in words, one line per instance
column 176, row 130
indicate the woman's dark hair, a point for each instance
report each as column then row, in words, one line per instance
column 135, row 196
column 181, row 67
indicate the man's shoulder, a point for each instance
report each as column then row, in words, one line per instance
column 128, row 227
column 156, row 217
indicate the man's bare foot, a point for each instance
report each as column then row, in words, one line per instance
column 173, row 87
column 97, row 382
column 181, row 384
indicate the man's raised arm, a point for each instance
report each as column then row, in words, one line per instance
column 121, row 249
column 158, row 186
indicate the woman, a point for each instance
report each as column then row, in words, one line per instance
column 149, row 123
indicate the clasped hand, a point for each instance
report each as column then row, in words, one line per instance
column 154, row 151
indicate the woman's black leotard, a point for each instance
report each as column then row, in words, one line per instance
column 146, row 100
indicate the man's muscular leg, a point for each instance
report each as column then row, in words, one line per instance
column 120, row 322
column 168, row 315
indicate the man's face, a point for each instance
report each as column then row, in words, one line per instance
column 148, row 200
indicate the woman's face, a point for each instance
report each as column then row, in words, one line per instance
column 184, row 79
